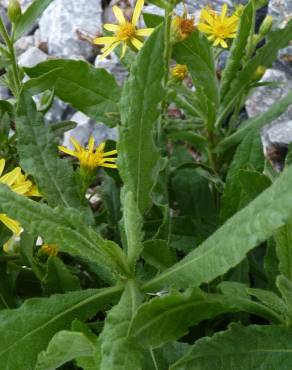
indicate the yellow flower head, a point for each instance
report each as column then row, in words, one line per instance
column 125, row 32
column 179, row 72
column 182, row 26
column 49, row 249
column 18, row 183
column 90, row 157
column 219, row 27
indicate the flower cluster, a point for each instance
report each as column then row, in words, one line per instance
column 91, row 157
column 219, row 27
column 125, row 32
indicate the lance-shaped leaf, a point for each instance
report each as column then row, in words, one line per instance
column 197, row 54
column 138, row 155
column 65, row 346
column 229, row 244
column 92, row 91
column 118, row 351
column 167, row 318
column 241, row 348
column 27, row 330
column 65, row 227
column 29, row 17
column 131, row 225
column 39, row 157
column 238, row 48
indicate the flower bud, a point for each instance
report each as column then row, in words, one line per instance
column 266, row 25
column 14, row 11
column 259, row 73
column 49, row 249
column 182, row 27
column 179, row 72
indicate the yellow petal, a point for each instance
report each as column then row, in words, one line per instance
column 224, row 44
column 224, row 11
column 101, row 147
column 137, row 43
column 76, row 144
column 12, row 225
column 119, row 14
column 144, row 32
column 137, row 11
column 108, row 160
column 22, row 188
column 33, row 192
column 111, row 27
column 67, row 151
column 108, row 50
column 217, row 42
column 206, row 16
column 112, row 152
column 109, row 165
column 105, row 40
column 91, row 144
column 2, row 165
column 205, row 28
column 11, row 176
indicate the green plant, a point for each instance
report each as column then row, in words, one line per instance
column 190, row 234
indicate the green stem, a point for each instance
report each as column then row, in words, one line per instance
column 166, row 57
column 250, row 46
column 14, row 65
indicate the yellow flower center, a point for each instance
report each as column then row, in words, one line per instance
column 221, row 31
column 126, row 31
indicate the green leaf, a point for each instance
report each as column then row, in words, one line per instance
column 29, row 17
column 283, row 239
column 139, row 159
column 89, row 90
column 66, row 228
column 285, row 287
column 256, row 123
column 158, row 254
column 237, row 51
column 197, row 54
column 132, row 225
column 264, row 57
column 58, row 278
column 168, row 317
column 192, row 138
column 242, row 348
column 249, row 156
column 269, row 299
column 229, row 244
column 39, row 157
column 119, row 352
column 63, row 347
column 38, row 319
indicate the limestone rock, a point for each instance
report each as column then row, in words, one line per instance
column 31, row 57
column 61, row 21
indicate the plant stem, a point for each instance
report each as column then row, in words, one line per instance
column 166, row 57
column 9, row 44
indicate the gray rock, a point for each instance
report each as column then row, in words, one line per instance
column 24, row 43
column 281, row 10
column 113, row 65
column 87, row 127
column 61, row 21
column 263, row 97
column 277, row 135
column 32, row 57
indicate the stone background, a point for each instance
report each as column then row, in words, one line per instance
column 65, row 28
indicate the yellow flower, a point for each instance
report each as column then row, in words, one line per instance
column 90, row 157
column 18, row 183
column 179, row 72
column 49, row 249
column 126, row 33
column 182, row 26
column 219, row 27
